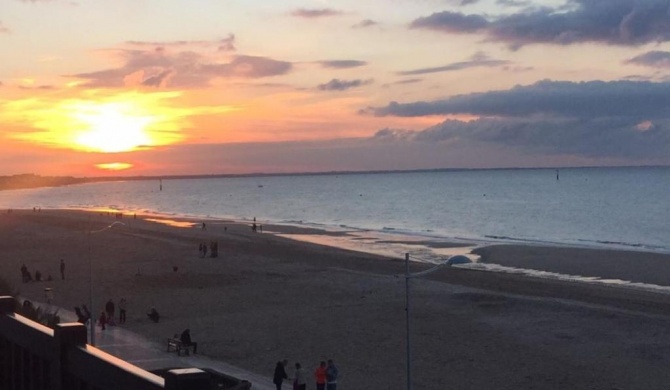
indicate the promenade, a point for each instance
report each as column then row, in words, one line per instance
column 149, row 355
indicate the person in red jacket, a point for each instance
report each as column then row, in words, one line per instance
column 320, row 375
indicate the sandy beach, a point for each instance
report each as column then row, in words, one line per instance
column 267, row 298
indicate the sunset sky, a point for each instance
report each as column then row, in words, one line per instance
column 171, row 87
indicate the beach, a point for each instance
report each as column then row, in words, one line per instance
column 266, row 298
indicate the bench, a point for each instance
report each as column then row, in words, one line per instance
column 178, row 346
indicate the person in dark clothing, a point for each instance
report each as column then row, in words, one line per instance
column 81, row 317
column 25, row 275
column 280, row 373
column 62, row 269
column 186, row 340
column 85, row 312
column 110, row 309
column 153, row 315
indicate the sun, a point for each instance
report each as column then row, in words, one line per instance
column 111, row 128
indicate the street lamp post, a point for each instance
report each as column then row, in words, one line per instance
column 409, row 276
column 90, row 276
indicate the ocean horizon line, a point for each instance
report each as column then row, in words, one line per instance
column 9, row 182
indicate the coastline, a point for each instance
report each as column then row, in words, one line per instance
column 267, row 297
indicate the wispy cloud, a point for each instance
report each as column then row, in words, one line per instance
column 225, row 44
column 3, row 29
column 342, row 85
column 311, row 13
column 365, row 23
column 184, row 69
column 476, row 61
column 340, row 64
column 654, row 59
column 620, row 22
column 228, row 43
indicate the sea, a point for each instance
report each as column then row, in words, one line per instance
column 395, row 213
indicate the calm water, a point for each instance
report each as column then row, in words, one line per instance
column 604, row 207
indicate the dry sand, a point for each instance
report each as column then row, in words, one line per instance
column 266, row 298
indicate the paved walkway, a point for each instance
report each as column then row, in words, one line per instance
column 148, row 355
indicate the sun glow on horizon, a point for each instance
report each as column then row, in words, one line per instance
column 115, row 166
column 112, row 127
column 103, row 122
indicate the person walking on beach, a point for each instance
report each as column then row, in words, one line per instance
column 300, row 381
column 331, row 375
column 110, row 309
column 122, row 310
column 62, row 269
column 280, row 373
column 320, row 376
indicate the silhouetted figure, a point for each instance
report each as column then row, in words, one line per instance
column 122, row 310
column 280, row 373
column 186, row 340
column 25, row 274
column 38, row 276
column 62, row 269
column 86, row 312
column 81, row 317
column 153, row 315
column 110, row 309
column 102, row 321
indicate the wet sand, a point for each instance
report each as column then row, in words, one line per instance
column 267, row 298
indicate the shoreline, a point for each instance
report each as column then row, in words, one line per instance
column 266, row 298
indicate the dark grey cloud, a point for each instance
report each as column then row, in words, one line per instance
column 614, row 22
column 186, row 69
column 635, row 99
column 654, row 59
column 514, row 3
column 479, row 60
column 597, row 138
column 341, row 85
column 315, row 13
column 340, row 64
column 453, row 22
column 365, row 23
column 625, row 121
column 468, row 2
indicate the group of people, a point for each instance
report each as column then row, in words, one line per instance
column 325, row 376
column 107, row 316
column 213, row 247
column 27, row 277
